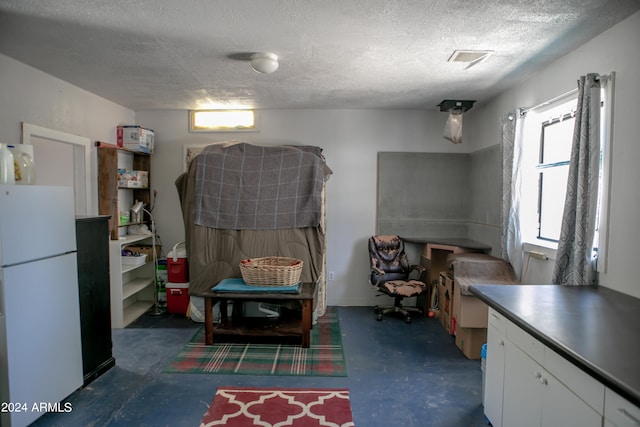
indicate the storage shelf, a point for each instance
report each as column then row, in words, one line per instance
column 110, row 201
column 126, row 267
column 131, row 286
column 128, row 239
column 131, row 223
column 135, row 286
column 262, row 326
column 135, row 310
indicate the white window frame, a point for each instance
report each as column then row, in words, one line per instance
column 544, row 165
column 229, row 126
column 534, row 121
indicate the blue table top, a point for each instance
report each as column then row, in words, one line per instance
column 239, row 285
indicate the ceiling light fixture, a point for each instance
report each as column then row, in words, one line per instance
column 453, row 127
column 264, row 62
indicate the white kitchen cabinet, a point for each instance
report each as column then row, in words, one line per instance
column 540, row 388
column 494, row 368
column 132, row 287
column 619, row 412
column 522, row 389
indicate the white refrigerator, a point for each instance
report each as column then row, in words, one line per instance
column 40, row 347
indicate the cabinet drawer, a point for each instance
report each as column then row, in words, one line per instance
column 620, row 411
column 498, row 321
column 531, row 346
column 582, row 384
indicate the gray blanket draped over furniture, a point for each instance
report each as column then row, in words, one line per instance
column 215, row 253
column 244, row 186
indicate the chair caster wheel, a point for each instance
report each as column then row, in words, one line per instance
column 379, row 317
column 407, row 319
column 376, row 309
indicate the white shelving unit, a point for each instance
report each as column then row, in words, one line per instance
column 132, row 287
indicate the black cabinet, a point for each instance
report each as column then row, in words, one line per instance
column 92, row 239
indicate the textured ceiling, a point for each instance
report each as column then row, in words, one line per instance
column 182, row 54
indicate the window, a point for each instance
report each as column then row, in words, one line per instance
column 547, row 135
column 555, row 154
column 222, row 120
column 542, row 140
column 546, row 153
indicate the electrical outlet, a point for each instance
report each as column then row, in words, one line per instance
column 331, row 275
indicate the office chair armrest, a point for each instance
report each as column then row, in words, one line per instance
column 378, row 270
column 419, row 268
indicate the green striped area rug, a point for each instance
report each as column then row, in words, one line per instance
column 324, row 357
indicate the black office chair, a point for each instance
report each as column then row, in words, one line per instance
column 390, row 270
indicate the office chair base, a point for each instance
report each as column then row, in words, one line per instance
column 397, row 308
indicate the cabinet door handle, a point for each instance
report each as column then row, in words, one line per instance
column 544, row 381
column 626, row 413
column 501, row 342
column 538, row 375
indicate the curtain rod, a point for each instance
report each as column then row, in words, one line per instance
column 552, row 100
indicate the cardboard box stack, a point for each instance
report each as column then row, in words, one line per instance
column 461, row 313
column 445, row 300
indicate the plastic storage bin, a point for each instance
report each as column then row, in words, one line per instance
column 177, row 297
column 177, row 265
column 483, row 366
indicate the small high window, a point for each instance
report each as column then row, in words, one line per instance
column 222, row 120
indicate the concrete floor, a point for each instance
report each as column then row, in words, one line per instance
column 398, row 375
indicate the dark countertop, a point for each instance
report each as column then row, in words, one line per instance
column 595, row 328
column 449, row 241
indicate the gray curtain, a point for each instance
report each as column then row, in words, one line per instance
column 574, row 259
column 511, row 250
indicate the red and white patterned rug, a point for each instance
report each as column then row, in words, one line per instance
column 279, row 407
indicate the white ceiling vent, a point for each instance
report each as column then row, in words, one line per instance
column 471, row 57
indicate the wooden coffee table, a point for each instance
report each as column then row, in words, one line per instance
column 259, row 327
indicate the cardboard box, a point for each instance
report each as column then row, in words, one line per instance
column 144, row 250
column 469, row 311
column 133, row 179
column 470, row 341
column 445, row 301
column 135, row 138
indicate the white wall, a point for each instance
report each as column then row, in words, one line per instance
column 29, row 95
column 350, row 139
column 614, row 50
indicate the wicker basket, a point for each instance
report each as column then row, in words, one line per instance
column 271, row 271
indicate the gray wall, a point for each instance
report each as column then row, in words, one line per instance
column 485, row 190
column 423, row 194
